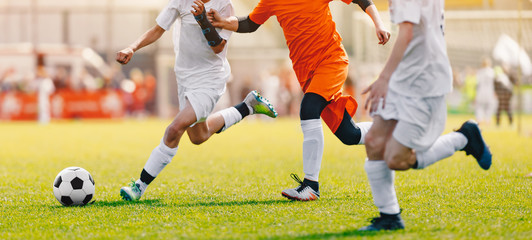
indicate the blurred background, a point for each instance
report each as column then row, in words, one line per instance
column 57, row 58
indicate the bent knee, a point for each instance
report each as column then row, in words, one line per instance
column 374, row 143
column 397, row 162
column 198, row 139
column 175, row 130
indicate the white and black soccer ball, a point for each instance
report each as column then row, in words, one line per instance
column 74, row 186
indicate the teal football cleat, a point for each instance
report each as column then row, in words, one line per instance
column 259, row 104
column 132, row 192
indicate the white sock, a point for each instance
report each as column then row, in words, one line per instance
column 312, row 148
column 381, row 180
column 444, row 147
column 251, row 110
column 364, row 128
column 160, row 157
column 231, row 116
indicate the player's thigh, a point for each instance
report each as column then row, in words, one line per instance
column 201, row 100
column 184, row 118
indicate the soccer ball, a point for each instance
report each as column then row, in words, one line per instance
column 74, row 186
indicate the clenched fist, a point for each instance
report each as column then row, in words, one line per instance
column 124, row 55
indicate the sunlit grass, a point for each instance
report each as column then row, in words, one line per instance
column 229, row 187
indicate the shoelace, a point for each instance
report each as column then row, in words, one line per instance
column 298, row 180
column 134, row 186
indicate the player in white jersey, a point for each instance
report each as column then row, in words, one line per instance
column 408, row 107
column 202, row 71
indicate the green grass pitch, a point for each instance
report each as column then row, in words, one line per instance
column 230, row 187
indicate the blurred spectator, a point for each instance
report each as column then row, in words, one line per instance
column 8, row 80
column 113, row 77
column 139, row 93
column 364, row 75
column 349, row 87
column 457, row 78
column 61, row 78
column 150, row 84
column 45, row 88
column 246, row 87
column 455, row 100
column 89, row 82
column 469, row 87
column 290, row 94
column 270, row 85
column 504, row 90
column 485, row 100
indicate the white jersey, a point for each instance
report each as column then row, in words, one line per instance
column 424, row 70
column 196, row 65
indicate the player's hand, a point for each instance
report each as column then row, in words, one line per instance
column 198, row 8
column 124, row 55
column 377, row 93
column 383, row 35
column 215, row 18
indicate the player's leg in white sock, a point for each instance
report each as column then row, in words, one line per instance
column 162, row 154
column 311, row 107
column 160, row 157
column 381, row 180
column 312, row 148
column 380, row 176
column 233, row 115
column 445, row 146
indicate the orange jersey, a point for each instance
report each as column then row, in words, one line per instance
column 318, row 56
column 309, row 31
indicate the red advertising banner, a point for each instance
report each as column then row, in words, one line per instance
column 64, row 104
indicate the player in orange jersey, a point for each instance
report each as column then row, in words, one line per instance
column 320, row 63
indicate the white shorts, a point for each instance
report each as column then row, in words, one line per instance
column 420, row 120
column 202, row 100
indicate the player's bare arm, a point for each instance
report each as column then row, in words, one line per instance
column 232, row 23
column 213, row 38
column 124, row 56
column 377, row 90
column 217, row 20
column 382, row 33
column 369, row 8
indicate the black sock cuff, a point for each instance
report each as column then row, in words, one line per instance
column 313, row 184
column 242, row 109
column 415, row 165
column 145, row 177
column 386, row 215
